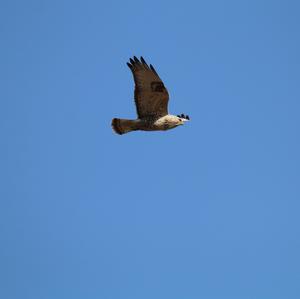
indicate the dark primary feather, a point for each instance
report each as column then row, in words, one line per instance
column 136, row 60
column 153, row 69
column 144, row 62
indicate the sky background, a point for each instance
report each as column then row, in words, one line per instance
column 208, row 210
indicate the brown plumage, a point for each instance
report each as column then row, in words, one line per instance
column 151, row 100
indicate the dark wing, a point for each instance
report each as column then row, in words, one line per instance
column 151, row 96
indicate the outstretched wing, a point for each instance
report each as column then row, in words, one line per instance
column 151, row 96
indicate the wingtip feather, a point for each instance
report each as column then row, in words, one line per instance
column 129, row 65
column 136, row 59
column 153, row 69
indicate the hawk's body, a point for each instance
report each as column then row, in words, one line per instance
column 151, row 99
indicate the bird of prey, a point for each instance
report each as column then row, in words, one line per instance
column 151, row 100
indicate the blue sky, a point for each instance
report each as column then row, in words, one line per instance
column 208, row 210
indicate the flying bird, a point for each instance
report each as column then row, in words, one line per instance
column 151, row 101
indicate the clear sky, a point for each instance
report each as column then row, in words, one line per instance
column 208, row 210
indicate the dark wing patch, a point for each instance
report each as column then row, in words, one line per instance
column 150, row 94
column 157, row 86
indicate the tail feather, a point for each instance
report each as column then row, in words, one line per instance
column 122, row 126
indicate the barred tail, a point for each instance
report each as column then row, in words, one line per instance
column 122, row 126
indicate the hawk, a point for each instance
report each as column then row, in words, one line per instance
column 151, row 100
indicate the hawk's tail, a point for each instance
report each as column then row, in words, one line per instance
column 122, row 126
